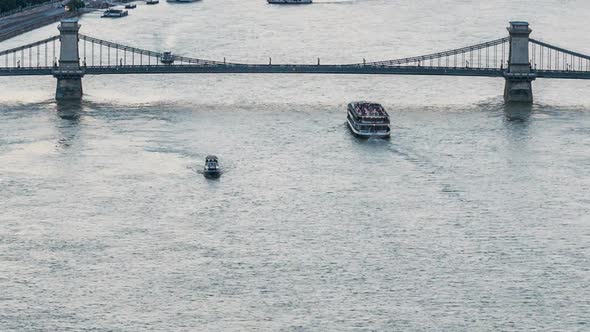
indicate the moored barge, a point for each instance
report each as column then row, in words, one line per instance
column 111, row 12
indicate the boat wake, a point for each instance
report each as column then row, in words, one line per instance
column 432, row 172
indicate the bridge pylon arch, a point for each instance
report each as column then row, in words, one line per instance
column 68, row 71
column 518, row 75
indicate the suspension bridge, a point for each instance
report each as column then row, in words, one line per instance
column 517, row 58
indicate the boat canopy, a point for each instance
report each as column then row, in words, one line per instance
column 366, row 109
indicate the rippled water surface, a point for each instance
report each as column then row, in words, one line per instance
column 473, row 216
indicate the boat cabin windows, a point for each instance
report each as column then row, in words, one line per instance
column 368, row 119
column 364, row 112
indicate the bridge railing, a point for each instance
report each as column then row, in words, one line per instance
column 491, row 54
column 42, row 53
column 547, row 57
column 94, row 51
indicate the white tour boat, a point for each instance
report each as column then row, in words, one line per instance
column 368, row 120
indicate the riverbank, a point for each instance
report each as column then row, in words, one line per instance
column 26, row 27
column 14, row 25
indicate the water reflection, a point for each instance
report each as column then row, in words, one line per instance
column 517, row 121
column 69, row 110
column 519, row 113
column 68, row 122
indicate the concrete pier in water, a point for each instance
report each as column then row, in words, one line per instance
column 518, row 87
column 68, row 72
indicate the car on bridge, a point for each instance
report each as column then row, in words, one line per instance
column 167, row 58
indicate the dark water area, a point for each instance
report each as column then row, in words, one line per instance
column 473, row 216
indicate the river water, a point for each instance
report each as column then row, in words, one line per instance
column 473, row 216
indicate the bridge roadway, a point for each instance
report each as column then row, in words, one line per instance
column 291, row 69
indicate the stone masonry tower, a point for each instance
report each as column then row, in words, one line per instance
column 68, row 72
column 518, row 76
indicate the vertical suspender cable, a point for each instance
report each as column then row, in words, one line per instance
column 503, row 52
column 533, row 53
column 479, row 58
column 495, row 55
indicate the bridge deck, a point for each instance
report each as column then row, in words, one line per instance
column 297, row 69
column 293, row 69
column 263, row 69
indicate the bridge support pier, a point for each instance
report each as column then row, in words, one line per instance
column 519, row 77
column 518, row 90
column 68, row 88
column 68, row 73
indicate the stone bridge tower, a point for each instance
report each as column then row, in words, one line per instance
column 68, row 72
column 518, row 75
